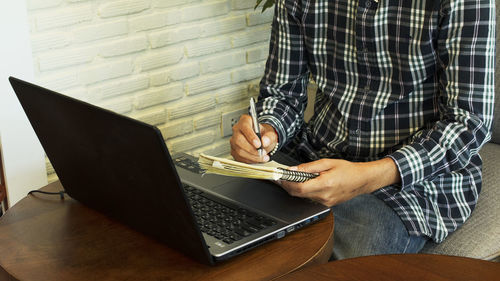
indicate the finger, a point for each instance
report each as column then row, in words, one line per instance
column 301, row 189
column 269, row 137
column 245, row 157
column 329, row 199
column 239, row 142
column 242, row 151
column 278, row 182
column 308, row 188
column 323, row 190
column 246, row 128
column 292, row 188
column 317, row 166
column 323, row 201
column 241, row 147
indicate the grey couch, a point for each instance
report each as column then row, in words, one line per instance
column 479, row 237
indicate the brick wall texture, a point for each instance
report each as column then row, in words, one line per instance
column 176, row 64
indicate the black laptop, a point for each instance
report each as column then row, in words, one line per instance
column 122, row 167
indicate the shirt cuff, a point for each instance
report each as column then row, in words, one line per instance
column 413, row 163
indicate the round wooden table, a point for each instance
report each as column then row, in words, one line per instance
column 407, row 267
column 45, row 238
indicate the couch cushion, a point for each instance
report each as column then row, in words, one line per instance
column 495, row 134
column 495, row 130
column 495, row 137
column 479, row 237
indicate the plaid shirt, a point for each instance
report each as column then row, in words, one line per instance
column 410, row 80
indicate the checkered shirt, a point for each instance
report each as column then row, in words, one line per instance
column 410, row 80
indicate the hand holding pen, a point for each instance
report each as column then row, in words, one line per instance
column 247, row 141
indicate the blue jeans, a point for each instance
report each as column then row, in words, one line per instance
column 365, row 226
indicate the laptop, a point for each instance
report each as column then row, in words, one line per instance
column 121, row 167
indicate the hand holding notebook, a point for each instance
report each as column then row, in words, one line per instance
column 267, row 171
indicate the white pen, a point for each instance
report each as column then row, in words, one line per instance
column 256, row 127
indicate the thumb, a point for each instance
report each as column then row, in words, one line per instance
column 269, row 135
column 317, row 166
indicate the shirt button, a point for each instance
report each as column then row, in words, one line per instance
column 357, row 132
column 368, row 3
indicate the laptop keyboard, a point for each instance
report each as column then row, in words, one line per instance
column 223, row 222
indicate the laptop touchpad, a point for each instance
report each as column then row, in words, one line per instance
column 268, row 198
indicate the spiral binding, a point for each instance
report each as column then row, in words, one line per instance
column 296, row 176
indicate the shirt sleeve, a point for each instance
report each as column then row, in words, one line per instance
column 283, row 95
column 465, row 67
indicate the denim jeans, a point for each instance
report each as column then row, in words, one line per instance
column 365, row 226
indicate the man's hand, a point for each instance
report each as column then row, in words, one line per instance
column 341, row 180
column 244, row 142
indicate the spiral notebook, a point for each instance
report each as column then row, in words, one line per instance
column 267, row 171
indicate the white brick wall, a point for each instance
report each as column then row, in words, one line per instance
column 119, row 8
column 204, row 10
column 176, row 64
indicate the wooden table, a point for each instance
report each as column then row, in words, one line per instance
column 45, row 238
column 406, row 267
